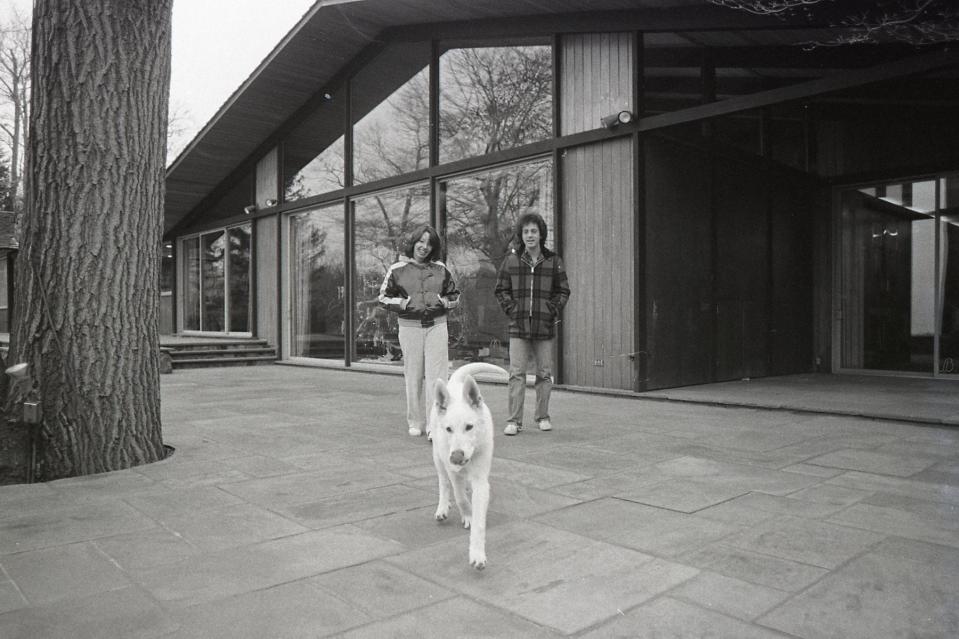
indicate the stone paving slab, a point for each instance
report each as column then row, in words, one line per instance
column 296, row 505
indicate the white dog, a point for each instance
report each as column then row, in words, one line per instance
column 462, row 430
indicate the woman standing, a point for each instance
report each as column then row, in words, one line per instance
column 421, row 290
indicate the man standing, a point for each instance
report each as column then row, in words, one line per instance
column 532, row 289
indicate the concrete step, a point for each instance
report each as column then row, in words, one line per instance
column 212, row 362
column 179, row 354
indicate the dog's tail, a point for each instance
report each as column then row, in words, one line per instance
column 475, row 368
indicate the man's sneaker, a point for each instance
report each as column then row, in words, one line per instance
column 544, row 424
column 511, row 428
column 414, row 432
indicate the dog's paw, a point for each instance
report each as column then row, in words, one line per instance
column 441, row 514
column 478, row 560
column 467, row 521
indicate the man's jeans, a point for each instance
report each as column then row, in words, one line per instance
column 520, row 353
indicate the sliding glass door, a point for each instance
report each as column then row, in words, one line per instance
column 216, row 281
column 899, row 277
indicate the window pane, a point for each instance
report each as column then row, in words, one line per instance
column 494, row 98
column 313, row 152
column 322, row 174
column 4, row 297
column 240, row 278
column 214, row 250
column 191, row 284
column 391, row 103
column 167, row 277
column 949, row 276
column 480, row 211
column 382, row 227
column 317, row 283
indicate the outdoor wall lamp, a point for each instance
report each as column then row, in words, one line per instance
column 249, row 209
column 614, row 120
column 271, row 202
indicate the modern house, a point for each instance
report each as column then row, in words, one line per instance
column 735, row 195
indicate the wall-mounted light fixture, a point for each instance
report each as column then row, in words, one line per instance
column 271, row 202
column 249, row 209
column 614, row 120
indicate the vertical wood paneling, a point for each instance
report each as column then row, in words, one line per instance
column 598, row 251
column 265, row 233
column 597, row 79
column 267, row 170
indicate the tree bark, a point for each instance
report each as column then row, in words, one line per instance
column 86, row 312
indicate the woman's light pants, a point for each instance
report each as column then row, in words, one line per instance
column 425, row 359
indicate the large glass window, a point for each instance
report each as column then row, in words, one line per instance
column 239, row 244
column 481, row 210
column 494, row 98
column 216, row 283
column 313, row 152
column 390, row 99
column 382, row 226
column 317, row 283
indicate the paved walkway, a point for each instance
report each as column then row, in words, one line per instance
column 296, row 506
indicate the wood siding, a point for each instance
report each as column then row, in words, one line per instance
column 265, row 234
column 267, row 179
column 742, row 271
column 598, row 212
column 597, row 73
column 679, row 263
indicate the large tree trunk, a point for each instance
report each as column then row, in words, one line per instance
column 86, row 312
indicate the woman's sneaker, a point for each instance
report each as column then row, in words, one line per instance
column 512, row 428
column 544, row 424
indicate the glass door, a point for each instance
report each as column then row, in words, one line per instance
column 899, row 278
column 317, row 284
column 216, row 281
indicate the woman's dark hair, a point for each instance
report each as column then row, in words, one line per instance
column 530, row 218
column 435, row 249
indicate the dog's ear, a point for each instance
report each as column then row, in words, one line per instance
column 471, row 392
column 441, row 395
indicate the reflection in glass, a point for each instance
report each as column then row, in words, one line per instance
column 888, row 266
column 191, row 284
column 949, row 276
column 480, row 210
column 494, row 98
column 390, row 99
column 317, row 283
column 4, row 296
column 322, row 174
column 213, row 246
column 382, row 226
column 239, row 270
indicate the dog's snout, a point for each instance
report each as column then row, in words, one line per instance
column 458, row 457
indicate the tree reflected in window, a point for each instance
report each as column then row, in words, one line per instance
column 494, row 98
column 481, row 210
column 383, row 223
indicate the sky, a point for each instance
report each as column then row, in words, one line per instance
column 216, row 45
